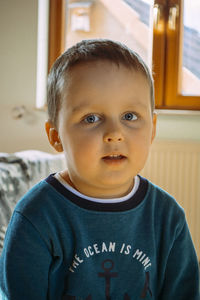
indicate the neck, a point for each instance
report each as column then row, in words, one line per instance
column 90, row 191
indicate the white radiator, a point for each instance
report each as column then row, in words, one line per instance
column 175, row 166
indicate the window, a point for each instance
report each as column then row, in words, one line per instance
column 166, row 33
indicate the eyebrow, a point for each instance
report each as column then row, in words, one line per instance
column 130, row 105
column 80, row 107
column 135, row 104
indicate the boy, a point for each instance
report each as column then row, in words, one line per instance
column 98, row 230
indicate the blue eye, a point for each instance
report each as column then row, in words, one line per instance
column 130, row 117
column 91, row 119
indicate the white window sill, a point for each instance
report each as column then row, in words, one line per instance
column 174, row 112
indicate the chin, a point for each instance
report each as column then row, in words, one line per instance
column 116, row 182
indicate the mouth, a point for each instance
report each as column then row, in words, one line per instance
column 114, row 158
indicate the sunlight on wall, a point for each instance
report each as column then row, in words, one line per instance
column 42, row 53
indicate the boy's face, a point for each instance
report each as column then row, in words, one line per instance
column 105, row 127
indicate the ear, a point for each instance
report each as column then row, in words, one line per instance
column 154, row 122
column 53, row 136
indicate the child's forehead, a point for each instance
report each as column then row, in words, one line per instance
column 100, row 68
column 98, row 83
column 100, row 63
column 92, row 66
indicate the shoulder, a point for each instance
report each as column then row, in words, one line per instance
column 43, row 209
column 162, row 199
column 165, row 207
column 38, row 199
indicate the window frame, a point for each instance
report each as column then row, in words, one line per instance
column 167, row 70
column 166, row 53
column 56, row 30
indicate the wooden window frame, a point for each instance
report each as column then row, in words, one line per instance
column 167, row 61
column 166, row 53
column 56, row 30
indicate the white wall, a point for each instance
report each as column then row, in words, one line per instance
column 177, row 126
column 18, row 58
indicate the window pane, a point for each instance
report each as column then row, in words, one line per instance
column 127, row 21
column 190, row 77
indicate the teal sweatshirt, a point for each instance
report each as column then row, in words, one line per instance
column 60, row 246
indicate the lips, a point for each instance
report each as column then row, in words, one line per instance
column 112, row 158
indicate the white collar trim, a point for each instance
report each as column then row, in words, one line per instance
column 99, row 200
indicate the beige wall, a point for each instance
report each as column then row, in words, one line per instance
column 179, row 127
column 18, row 32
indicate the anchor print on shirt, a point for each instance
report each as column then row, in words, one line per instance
column 107, row 266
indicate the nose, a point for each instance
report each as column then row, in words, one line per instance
column 112, row 139
column 113, row 134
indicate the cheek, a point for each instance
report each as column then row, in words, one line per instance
column 83, row 148
column 140, row 144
